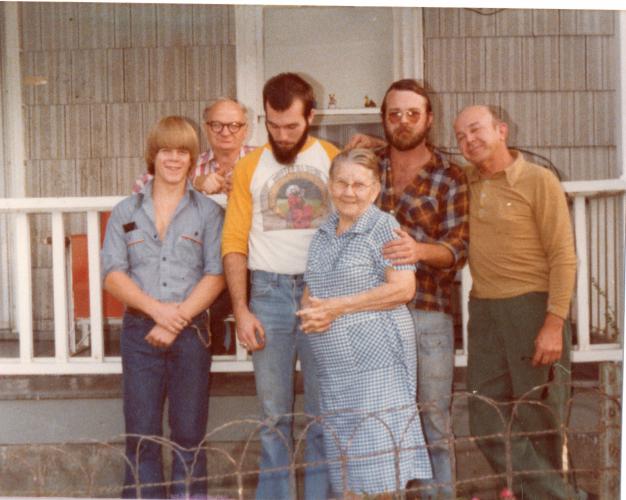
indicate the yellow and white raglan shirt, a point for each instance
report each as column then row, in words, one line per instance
column 273, row 209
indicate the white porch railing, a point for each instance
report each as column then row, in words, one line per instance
column 594, row 256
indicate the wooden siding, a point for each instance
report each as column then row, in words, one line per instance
column 552, row 71
column 105, row 73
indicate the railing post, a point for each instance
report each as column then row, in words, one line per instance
column 24, row 287
column 59, row 286
column 582, row 281
column 95, row 286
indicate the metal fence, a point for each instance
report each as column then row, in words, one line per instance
column 95, row 469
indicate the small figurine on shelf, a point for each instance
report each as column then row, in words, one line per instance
column 369, row 103
column 332, row 101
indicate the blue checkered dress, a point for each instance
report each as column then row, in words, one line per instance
column 366, row 364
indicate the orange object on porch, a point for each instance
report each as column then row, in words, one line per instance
column 111, row 307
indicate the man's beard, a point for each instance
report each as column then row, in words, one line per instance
column 286, row 156
column 405, row 142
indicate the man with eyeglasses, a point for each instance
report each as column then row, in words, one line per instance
column 225, row 124
column 428, row 196
column 279, row 199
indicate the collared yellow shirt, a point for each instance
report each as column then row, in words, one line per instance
column 521, row 237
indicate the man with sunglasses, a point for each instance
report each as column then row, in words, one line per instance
column 225, row 124
column 428, row 196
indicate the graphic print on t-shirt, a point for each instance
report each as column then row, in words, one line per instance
column 294, row 198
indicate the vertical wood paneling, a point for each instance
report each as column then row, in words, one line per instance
column 108, row 178
column 449, row 22
column 124, row 139
column 522, row 108
column 90, row 76
column 41, row 228
column 589, row 163
column 504, row 66
column 115, row 75
column 151, row 112
column 595, row 22
column 203, row 72
column 121, row 13
column 583, row 124
column 558, row 156
column 127, row 169
column 541, row 56
column 77, row 131
column 546, row 22
column 473, row 24
column 29, row 78
column 136, row 74
column 445, row 59
column 600, row 59
column 476, row 64
column 571, row 62
column 514, row 22
column 431, row 22
column 59, row 26
column 173, row 25
column 555, row 115
column 213, row 25
column 604, row 118
column 33, row 178
column 98, row 125
column 167, row 74
column 567, row 22
column 228, row 71
column 47, row 137
column 444, row 111
column 58, row 176
column 30, row 25
column 88, row 177
column 192, row 110
column 143, row 25
column 56, row 69
column 96, row 25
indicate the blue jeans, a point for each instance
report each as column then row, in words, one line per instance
column 274, row 299
column 180, row 372
column 435, row 371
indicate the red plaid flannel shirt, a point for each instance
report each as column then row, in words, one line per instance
column 433, row 208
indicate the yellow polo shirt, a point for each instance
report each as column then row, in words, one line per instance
column 521, row 237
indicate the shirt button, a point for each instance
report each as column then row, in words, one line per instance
column 155, row 236
column 164, row 284
column 164, row 259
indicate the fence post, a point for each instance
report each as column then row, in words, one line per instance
column 610, row 384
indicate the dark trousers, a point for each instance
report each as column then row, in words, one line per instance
column 501, row 346
column 150, row 374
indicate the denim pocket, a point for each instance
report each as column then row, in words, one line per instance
column 261, row 286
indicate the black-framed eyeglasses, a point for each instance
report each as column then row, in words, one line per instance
column 233, row 127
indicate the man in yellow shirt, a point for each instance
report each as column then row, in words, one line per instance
column 278, row 200
column 523, row 265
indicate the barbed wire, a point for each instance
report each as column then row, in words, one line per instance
column 232, row 473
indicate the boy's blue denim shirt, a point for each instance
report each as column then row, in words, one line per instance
column 166, row 270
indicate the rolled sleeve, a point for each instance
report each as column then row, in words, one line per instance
column 456, row 222
column 114, row 254
column 213, row 241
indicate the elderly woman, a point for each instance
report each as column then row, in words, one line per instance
column 363, row 339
